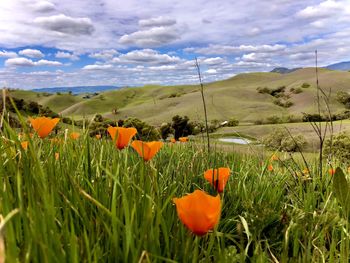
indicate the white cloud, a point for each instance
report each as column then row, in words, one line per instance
column 7, row 54
column 147, row 56
column 157, row 22
column 153, row 37
column 31, row 53
column 324, row 9
column 104, row 54
column 212, row 61
column 211, row 71
column 97, row 67
column 227, row 49
column 25, row 62
column 43, row 6
column 19, row 62
column 66, row 24
column 61, row 54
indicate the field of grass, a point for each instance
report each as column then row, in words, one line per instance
column 235, row 97
column 86, row 201
column 258, row 132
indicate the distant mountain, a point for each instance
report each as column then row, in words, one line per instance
column 283, row 70
column 345, row 66
column 77, row 89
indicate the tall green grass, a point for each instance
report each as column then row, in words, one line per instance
column 99, row 204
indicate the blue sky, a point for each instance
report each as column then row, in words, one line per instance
column 46, row 43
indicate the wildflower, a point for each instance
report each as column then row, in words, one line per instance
column 173, row 140
column 183, row 139
column 121, row 136
column 74, row 135
column 218, row 177
column 331, row 171
column 43, row 125
column 274, row 157
column 270, row 167
column 24, row 145
column 146, row 149
column 306, row 171
column 57, row 155
column 198, row 211
column 98, row 136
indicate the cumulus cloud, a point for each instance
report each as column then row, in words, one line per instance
column 97, row 67
column 227, row 49
column 7, row 54
column 153, row 37
column 67, row 55
column 66, row 24
column 157, row 22
column 25, row 62
column 31, row 53
column 104, row 54
column 149, row 56
column 324, row 9
column 43, row 6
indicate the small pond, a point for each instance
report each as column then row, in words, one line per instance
column 236, row 140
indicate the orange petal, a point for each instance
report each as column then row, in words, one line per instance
column 183, row 139
column 147, row 150
column 218, row 177
column 74, row 135
column 198, row 211
column 121, row 135
column 24, row 145
column 43, row 125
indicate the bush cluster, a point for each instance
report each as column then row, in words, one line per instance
column 281, row 140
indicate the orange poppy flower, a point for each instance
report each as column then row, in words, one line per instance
column 274, row 158
column 218, row 177
column 331, row 171
column 173, row 140
column 24, row 145
column 198, row 211
column 74, row 135
column 183, row 139
column 121, row 135
column 57, row 155
column 270, row 167
column 98, row 136
column 43, row 125
column 146, row 149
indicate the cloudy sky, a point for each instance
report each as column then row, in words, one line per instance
column 47, row 43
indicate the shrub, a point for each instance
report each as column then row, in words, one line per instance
column 282, row 103
column 165, row 129
column 232, row 122
column 182, row 127
column 281, row 140
column 264, row 90
column 305, row 85
column 145, row 131
column 296, row 90
column 339, row 148
column 344, row 98
column 273, row 120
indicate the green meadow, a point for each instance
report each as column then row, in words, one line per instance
column 84, row 200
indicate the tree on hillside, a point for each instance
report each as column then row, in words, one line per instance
column 182, row 126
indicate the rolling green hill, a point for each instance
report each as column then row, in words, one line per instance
column 235, row 97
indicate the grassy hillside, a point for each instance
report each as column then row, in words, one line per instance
column 235, row 97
